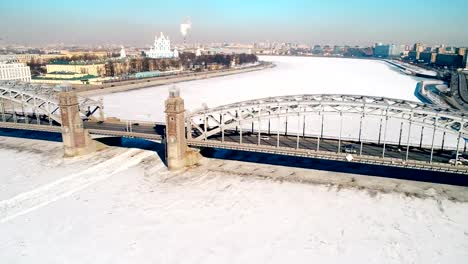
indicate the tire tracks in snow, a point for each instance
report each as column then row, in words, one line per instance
column 32, row 200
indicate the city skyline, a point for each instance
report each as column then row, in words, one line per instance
column 358, row 22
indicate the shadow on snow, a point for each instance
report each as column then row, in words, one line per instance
column 339, row 166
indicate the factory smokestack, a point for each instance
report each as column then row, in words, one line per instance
column 185, row 27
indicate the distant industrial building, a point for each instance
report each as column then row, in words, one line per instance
column 162, row 48
column 416, row 52
column 390, row 50
column 15, row 71
column 427, row 57
column 449, row 60
column 460, row 51
column 317, row 49
column 227, row 50
column 73, row 73
column 26, row 58
column 338, row 50
column 418, row 47
column 91, row 68
column 382, row 51
column 450, row 50
column 465, row 58
column 68, row 77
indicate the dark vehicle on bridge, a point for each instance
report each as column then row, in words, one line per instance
column 394, row 148
column 349, row 149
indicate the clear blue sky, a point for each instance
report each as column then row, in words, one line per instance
column 328, row 21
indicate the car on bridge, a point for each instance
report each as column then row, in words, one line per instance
column 349, row 149
column 456, row 162
column 462, row 159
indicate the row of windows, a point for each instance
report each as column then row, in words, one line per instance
column 12, row 66
column 16, row 73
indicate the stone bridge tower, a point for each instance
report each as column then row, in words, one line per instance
column 178, row 155
column 76, row 140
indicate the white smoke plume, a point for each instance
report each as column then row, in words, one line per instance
column 185, row 27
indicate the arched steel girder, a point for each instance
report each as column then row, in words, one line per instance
column 43, row 99
column 443, row 119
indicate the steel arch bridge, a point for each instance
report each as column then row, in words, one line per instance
column 215, row 126
column 40, row 100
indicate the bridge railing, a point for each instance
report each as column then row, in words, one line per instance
column 139, row 122
column 311, row 136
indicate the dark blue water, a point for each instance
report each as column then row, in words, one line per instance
column 49, row 136
column 339, row 166
column 421, row 98
column 110, row 141
column 282, row 160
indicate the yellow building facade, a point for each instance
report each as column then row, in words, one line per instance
column 91, row 69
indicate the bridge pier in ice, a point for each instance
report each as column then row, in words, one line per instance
column 76, row 139
column 178, row 154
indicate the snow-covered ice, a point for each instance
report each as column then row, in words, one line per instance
column 123, row 206
column 293, row 75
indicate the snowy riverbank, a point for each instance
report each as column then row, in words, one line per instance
column 122, row 205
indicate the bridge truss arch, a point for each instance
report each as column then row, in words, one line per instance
column 229, row 116
column 292, row 116
column 40, row 100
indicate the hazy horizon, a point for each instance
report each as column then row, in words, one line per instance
column 336, row 22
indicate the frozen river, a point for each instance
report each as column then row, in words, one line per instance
column 123, row 206
column 292, row 75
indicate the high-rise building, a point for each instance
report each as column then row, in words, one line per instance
column 396, row 50
column 465, row 58
column 381, row 51
column 449, row 60
column 460, row 51
column 390, row 50
column 418, row 47
column 441, row 49
column 428, row 57
column 15, row 71
column 450, row 50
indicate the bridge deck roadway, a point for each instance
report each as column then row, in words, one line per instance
column 137, row 130
column 328, row 148
column 115, row 129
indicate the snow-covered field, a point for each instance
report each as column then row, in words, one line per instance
column 123, row 206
